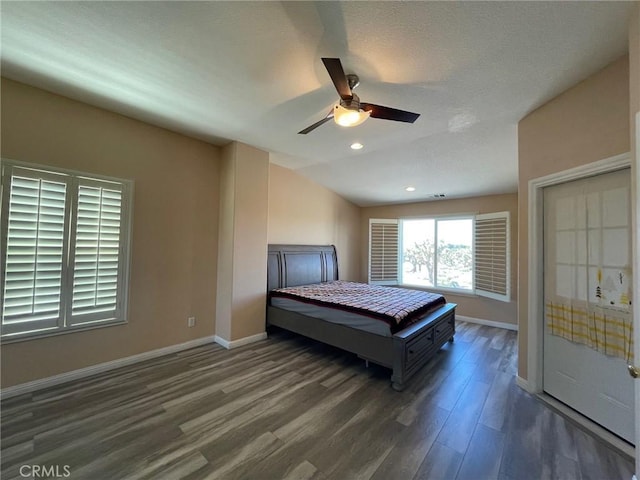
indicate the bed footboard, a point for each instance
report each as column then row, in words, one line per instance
column 405, row 352
column 415, row 345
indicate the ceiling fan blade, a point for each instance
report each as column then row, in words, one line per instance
column 388, row 113
column 336, row 72
column 317, row 124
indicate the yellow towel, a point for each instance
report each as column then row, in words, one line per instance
column 606, row 330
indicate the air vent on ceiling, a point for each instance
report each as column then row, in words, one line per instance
column 438, row 195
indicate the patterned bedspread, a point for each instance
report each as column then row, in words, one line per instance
column 398, row 307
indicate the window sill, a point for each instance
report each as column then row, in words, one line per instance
column 442, row 291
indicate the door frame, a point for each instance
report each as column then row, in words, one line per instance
column 635, row 224
column 535, row 321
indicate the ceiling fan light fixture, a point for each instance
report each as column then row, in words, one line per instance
column 348, row 111
column 346, row 117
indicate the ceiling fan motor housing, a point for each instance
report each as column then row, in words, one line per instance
column 352, row 104
column 353, row 80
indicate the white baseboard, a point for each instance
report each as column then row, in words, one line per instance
column 99, row 368
column 488, row 323
column 229, row 344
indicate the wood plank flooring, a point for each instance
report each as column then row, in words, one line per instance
column 290, row 408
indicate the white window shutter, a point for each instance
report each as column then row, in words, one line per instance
column 64, row 250
column 492, row 270
column 96, row 256
column 383, row 251
column 34, row 241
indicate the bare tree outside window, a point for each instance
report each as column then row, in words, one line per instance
column 452, row 259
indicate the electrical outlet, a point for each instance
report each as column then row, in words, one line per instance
column 191, row 321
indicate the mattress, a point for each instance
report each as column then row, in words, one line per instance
column 373, row 308
column 333, row 315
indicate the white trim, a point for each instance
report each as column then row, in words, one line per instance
column 534, row 320
column 489, row 323
column 390, row 221
column 635, row 222
column 100, row 368
column 522, row 383
column 229, row 344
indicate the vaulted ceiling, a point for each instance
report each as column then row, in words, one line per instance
column 252, row 72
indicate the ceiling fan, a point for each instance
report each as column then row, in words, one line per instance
column 350, row 111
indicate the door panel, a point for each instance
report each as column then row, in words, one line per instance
column 597, row 386
column 587, row 263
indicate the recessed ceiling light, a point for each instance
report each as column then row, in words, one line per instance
column 410, row 189
column 356, row 146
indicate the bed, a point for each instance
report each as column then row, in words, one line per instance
column 405, row 349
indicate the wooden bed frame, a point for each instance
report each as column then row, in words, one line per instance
column 405, row 352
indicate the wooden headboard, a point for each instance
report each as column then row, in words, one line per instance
column 293, row 265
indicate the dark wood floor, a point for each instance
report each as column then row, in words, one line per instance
column 290, row 408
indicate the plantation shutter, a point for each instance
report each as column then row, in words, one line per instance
column 64, row 250
column 34, row 232
column 492, row 256
column 96, row 254
column 383, row 251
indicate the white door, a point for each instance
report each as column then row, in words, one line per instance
column 587, row 290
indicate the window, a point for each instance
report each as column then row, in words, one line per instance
column 463, row 253
column 65, row 250
column 437, row 253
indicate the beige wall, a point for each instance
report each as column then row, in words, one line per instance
column 587, row 123
column 468, row 305
column 304, row 212
column 634, row 63
column 175, row 225
column 242, row 254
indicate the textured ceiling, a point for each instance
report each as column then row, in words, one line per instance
column 251, row 71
